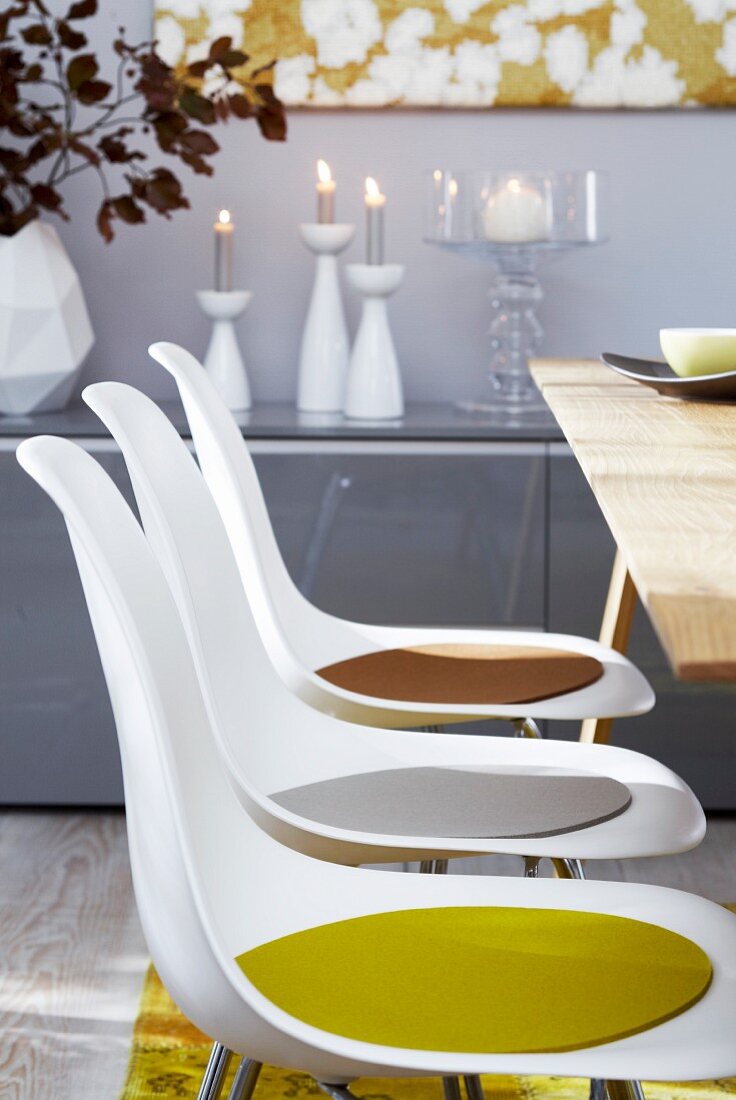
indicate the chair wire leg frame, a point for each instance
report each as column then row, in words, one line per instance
column 214, row 1074
column 244, row 1082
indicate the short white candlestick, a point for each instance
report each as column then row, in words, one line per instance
column 374, row 390
column 223, row 361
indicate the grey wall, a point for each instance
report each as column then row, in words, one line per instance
column 670, row 260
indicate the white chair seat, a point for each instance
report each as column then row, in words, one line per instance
column 272, row 740
column 301, row 639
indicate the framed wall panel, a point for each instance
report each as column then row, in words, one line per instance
column 472, row 53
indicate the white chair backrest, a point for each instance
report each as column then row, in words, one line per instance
column 192, row 846
column 268, row 735
column 229, row 471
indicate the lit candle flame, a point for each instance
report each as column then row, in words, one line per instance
column 372, row 189
column 515, row 186
column 437, row 175
column 323, row 172
column 224, row 217
column 452, row 189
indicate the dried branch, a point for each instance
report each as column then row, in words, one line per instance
column 38, row 49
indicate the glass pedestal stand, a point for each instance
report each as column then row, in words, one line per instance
column 510, row 396
column 513, row 219
column 516, row 336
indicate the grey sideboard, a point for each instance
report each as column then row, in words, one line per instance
column 434, row 519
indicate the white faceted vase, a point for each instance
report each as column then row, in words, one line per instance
column 45, row 331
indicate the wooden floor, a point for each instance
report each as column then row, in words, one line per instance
column 72, row 955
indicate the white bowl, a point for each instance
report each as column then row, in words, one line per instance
column 696, row 351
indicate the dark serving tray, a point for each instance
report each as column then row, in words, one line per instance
column 660, row 377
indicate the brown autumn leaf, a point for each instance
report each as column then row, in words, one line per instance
column 69, row 38
column 219, row 47
column 128, row 210
column 83, row 9
column 104, row 221
column 197, row 106
column 93, row 91
column 163, row 192
column 199, row 141
column 233, row 58
column 116, row 151
column 240, row 106
column 46, row 196
column 197, row 163
column 36, row 35
column 197, row 69
column 271, row 123
column 80, row 69
column 167, row 126
column 157, row 83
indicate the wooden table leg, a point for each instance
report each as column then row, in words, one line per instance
column 615, row 629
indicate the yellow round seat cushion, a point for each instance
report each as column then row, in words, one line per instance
column 482, row 980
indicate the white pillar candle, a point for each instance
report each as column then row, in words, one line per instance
column 374, row 204
column 325, row 194
column 516, row 214
column 224, row 230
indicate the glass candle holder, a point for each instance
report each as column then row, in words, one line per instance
column 513, row 219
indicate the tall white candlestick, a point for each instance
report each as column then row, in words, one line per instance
column 224, row 230
column 325, row 194
column 374, row 204
column 516, row 214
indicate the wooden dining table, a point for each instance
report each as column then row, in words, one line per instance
column 663, row 471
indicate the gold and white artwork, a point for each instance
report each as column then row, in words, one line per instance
column 472, row 53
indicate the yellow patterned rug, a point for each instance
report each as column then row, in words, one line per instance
column 168, row 1057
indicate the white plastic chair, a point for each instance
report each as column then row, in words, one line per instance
column 301, row 638
column 211, row 886
column 273, row 742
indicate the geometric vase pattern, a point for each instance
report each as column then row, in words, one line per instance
column 45, row 330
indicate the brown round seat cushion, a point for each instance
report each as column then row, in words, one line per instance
column 458, row 673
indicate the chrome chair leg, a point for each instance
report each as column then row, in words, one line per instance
column 473, row 1087
column 598, row 1089
column 526, row 727
column 214, row 1075
column 531, row 866
column 569, row 868
column 336, row 1092
column 245, row 1080
column 451, row 1088
column 624, row 1090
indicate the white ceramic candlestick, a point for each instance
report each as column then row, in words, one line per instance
column 223, row 361
column 325, row 350
column 374, row 390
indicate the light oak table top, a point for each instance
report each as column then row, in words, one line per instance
column 663, row 471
